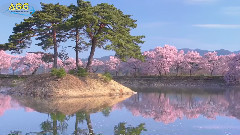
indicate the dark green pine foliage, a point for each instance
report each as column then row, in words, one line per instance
column 74, row 26
column 48, row 27
column 6, row 46
column 45, row 25
column 108, row 28
column 122, row 129
column 21, row 37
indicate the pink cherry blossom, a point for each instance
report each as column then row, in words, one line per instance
column 233, row 75
column 97, row 66
column 211, row 62
column 113, row 65
column 160, row 60
column 5, row 61
column 31, row 62
column 179, row 61
column 192, row 61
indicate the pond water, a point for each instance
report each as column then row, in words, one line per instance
column 153, row 113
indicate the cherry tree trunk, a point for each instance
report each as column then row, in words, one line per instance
column 177, row 71
column 211, row 72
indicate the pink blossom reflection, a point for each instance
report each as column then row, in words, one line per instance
column 168, row 107
column 7, row 103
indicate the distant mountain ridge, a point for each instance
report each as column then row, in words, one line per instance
column 201, row 52
column 104, row 58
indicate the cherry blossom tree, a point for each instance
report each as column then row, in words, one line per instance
column 233, row 75
column 211, row 61
column 15, row 63
column 161, row 59
column 59, row 63
column 5, row 61
column 179, row 61
column 133, row 66
column 97, row 65
column 224, row 61
column 31, row 62
column 192, row 61
column 69, row 64
column 113, row 65
column 148, row 65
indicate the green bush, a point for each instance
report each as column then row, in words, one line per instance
column 72, row 71
column 107, row 76
column 58, row 72
column 82, row 72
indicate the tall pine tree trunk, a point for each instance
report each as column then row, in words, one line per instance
column 54, row 127
column 77, row 47
column 76, row 125
column 55, row 56
column 90, row 58
column 89, row 124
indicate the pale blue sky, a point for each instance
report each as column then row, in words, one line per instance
column 203, row 24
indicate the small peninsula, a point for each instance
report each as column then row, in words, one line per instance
column 46, row 85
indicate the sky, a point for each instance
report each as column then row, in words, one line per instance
column 194, row 24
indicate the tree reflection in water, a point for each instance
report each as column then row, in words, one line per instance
column 80, row 117
column 165, row 107
column 61, row 109
column 121, row 129
column 58, row 125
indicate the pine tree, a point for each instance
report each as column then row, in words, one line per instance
column 105, row 24
column 45, row 25
column 74, row 26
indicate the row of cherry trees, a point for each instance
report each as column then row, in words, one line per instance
column 165, row 60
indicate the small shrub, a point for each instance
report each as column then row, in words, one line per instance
column 107, row 76
column 72, row 71
column 82, row 72
column 58, row 72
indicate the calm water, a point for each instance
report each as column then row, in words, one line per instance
column 156, row 113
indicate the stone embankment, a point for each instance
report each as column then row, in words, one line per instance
column 181, row 82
